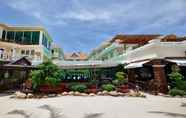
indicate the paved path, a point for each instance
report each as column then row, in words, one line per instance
column 93, row 107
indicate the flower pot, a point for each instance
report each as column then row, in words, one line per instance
column 50, row 89
column 123, row 88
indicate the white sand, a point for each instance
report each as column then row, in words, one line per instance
column 98, row 107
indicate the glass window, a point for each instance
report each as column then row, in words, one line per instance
column 44, row 41
column 52, row 51
column 10, row 36
column 19, row 37
column 35, row 37
column 27, row 52
column 23, row 52
column 32, row 52
column 3, row 35
column 27, row 38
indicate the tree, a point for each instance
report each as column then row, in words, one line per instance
column 47, row 73
column 176, row 77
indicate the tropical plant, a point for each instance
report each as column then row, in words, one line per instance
column 93, row 82
column 78, row 87
column 175, row 92
column 181, row 84
column 175, row 76
column 108, row 87
column 47, row 73
column 120, row 79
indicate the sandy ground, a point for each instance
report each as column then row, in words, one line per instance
column 93, row 107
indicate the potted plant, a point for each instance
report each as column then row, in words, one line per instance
column 47, row 78
column 82, row 88
column 121, row 82
column 108, row 87
column 93, row 86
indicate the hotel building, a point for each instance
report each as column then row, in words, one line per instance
column 20, row 41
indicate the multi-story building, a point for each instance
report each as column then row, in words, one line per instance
column 57, row 52
column 29, row 41
column 122, row 44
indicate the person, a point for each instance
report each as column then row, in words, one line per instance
column 27, row 86
column 137, row 88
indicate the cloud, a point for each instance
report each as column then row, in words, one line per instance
column 85, row 15
column 40, row 10
column 79, row 22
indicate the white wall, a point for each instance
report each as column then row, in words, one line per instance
column 158, row 50
column 1, row 32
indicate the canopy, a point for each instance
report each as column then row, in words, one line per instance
column 136, row 64
column 179, row 62
column 85, row 64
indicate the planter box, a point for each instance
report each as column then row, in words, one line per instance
column 52, row 89
column 92, row 90
column 123, row 89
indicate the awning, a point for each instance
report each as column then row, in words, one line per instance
column 85, row 64
column 179, row 62
column 136, row 64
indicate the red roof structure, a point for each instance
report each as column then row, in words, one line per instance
column 141, row 39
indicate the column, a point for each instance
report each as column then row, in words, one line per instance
column 160, row 80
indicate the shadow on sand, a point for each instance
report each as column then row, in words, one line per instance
column 93, row 115
column 54, row 113
column 19, row 112
column 169, row 114
column 183, row 104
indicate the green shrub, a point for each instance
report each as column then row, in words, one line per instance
column 174, row 92
column 175, row 76
column 78, row 87
column 93, row 82
column 47, row 73
column 120, row 79
column 108, row 87
column 181, row 84
column 116, row 82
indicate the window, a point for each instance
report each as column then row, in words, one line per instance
column 52, row 51
column 27, row 52
column 3, row 35
column 35, row 37
column 1, row 53
column 44, row 41
column 32, row 52
column 27, row 38
column 23, row 52
column 10, row 36
column 19, row 37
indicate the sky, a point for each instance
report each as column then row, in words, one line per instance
column 82, row 25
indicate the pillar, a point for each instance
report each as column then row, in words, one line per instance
column 160, row 80
column 131, row 75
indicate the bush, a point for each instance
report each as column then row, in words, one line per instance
column 78, row 87
column 180, row 84
column 47, row 73
column 120, row 79
column 108, row 87
column 174, row 92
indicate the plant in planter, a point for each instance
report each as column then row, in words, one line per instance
column 121, row 82
column 78, row 88
column 175, row 92
column 178, row 85
column 108, row 87
column 93, row 86
column 47, row 75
